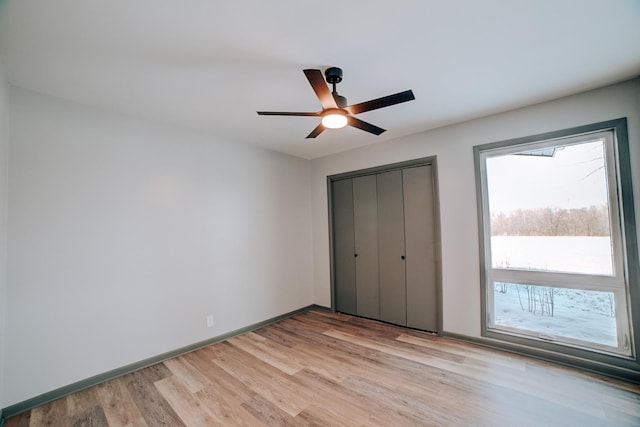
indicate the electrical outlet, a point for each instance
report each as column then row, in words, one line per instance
column 210, row 321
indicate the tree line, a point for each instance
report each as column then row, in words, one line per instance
column 591, row 221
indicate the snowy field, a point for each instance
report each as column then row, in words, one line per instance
column 571, row 254
column 577, row 314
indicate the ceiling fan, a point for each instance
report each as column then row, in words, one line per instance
column 335, row 111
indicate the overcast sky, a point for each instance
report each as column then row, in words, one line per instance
column 573, row 178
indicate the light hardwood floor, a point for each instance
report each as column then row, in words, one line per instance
column 321, row 368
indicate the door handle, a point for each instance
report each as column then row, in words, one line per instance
column 355, row 255
column 402, row 256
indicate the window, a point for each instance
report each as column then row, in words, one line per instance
column 553, row 244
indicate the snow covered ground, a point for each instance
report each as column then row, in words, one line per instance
column 578, row 314
column 571, row 254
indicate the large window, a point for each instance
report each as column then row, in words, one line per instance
column 553, row 242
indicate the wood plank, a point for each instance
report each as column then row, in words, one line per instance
column 187, row 406
column 342, row 405
column 52, row 414
column 152, row 406
column 83, row 401
column 276, row 335
column 466, row 351
column 329, row 316
column 271, row 355
column 224, row 394
column 409, row 411
column 267, row 382
column 267, row 413
column 118, row 406
column 342, row 366
column 255, row 337
column 219, row 379
column 188, row 374
column 228, row 408
column 93, row 417
column 20, row 420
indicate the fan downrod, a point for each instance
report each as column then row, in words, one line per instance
column 334, row 76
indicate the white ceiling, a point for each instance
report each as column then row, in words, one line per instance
column 209, row 65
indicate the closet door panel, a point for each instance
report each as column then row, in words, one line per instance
column 365, row 212
column 391, row 248
column 343, row 241
column 420, row 247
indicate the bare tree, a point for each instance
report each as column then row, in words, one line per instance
column 591, row 221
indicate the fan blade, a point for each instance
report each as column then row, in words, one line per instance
column 286, row 113
column 317, row 131
column 386, row 101
column 367, row 127
column 321, row 89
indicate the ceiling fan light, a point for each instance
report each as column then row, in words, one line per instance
column 334, row 120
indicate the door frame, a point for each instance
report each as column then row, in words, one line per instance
column 424, row 161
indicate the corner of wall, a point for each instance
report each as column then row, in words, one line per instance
column 4, row 154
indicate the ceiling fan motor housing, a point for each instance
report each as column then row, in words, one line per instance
column 340, row 100
column 333, row 75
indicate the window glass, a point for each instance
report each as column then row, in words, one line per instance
column 552, row 312
column 549, row 209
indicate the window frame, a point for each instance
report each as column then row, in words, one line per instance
column 625, row 274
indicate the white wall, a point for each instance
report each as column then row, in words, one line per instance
column 453, row 147
column 124, row 234
column 4, row 166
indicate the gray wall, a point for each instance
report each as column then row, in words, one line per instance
column 124, row 235
column 4, row 163
column 457, row 192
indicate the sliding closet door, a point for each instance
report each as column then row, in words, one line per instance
column 420, row 247
column 365, row 213
column 343, row 244
column 391, row 248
